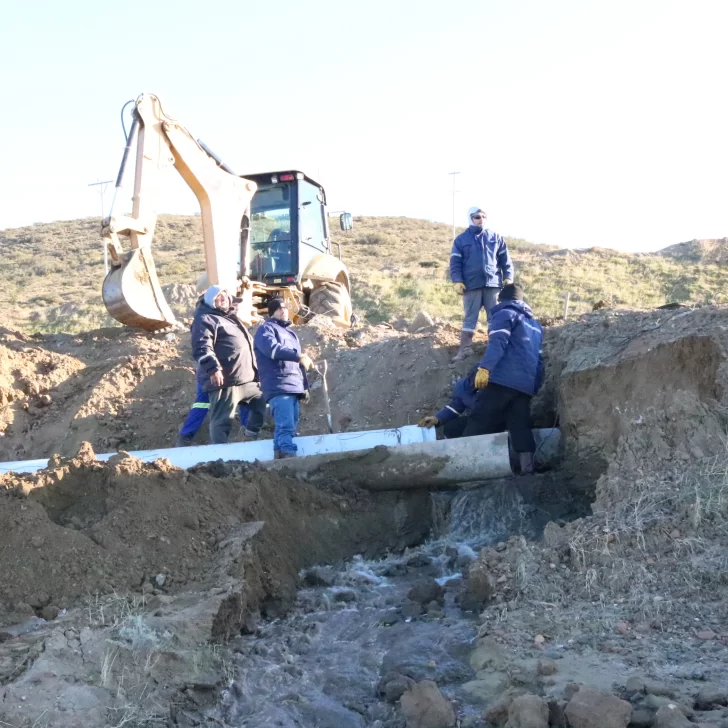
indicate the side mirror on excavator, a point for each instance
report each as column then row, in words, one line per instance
column 346, row 221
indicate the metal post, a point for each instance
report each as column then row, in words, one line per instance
column 102, row 189
column 566, row 305
column 453, row 174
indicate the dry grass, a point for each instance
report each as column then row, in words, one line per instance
column 52, row 273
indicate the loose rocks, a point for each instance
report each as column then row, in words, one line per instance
column 591, row 709
column 424, row 706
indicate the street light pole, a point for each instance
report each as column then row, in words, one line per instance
column 102, row 189
column 453, row 175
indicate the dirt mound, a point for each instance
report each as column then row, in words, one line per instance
column 82, row 528
column 182, row 298
column 640, row 390
column 121, row 389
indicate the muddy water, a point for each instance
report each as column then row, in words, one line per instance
column 323, row 664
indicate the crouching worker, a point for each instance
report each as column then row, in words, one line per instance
column 453, row 417
column 283, row 375
column 226, row 366
column 509, row 375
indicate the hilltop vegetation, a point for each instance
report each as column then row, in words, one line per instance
column 51, row 274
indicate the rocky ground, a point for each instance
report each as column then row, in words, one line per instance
column 156, row 597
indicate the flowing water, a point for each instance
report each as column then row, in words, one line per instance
column 322, row 666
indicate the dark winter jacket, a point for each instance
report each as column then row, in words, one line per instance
column 513, row 355
column 462, row 400
column 279, row 353
column 480, row 259
column 220, row 342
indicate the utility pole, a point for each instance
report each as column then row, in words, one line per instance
column 102, row 190
column 453, row 175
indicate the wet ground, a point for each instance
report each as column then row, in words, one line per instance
column 334, row 661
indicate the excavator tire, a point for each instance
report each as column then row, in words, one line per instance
column 332, row 299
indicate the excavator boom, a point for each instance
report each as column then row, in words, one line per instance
column 131, row 290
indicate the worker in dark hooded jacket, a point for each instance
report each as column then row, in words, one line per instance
column 226, row 366
column 453, row 417
column 283, row 375
column 479, row 267
column 509, row 375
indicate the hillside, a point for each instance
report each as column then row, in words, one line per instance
column 51, row 273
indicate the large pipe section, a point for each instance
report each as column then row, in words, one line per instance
column 407, row 457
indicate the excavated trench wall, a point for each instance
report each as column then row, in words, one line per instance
column 83, row 529
column 638, row 392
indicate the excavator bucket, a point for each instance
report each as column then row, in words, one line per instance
column 132, row 293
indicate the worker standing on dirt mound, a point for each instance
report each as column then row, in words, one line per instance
column 453, row 417
column 479, row 267
column 227, row 370
column 509, row 375
column 283, row 369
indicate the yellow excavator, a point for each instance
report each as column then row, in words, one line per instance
column 264, row 235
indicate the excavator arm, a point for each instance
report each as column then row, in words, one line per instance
column 131, row 289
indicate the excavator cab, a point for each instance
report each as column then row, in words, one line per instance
column 291, row 248
column 274, row 243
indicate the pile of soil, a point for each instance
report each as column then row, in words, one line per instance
column 124, row 390
column 81, row 528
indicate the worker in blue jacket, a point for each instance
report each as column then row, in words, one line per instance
column 479, row 267
column 282, row 366
column 453, row 417
column 509, row 375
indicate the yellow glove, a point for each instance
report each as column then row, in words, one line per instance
column 429, row 421
column 481, row 378
column 507, row 281
column 459, row 288
column 305, row 361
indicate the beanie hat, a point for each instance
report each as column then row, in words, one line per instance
column 472, row 212
column 274, row 304
column 211, row 295
column 511, row 292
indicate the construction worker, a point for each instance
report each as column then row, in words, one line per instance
column 283, row 369
column 227, row 370
column 509, row 375
column 479, row 267
column 453, row 417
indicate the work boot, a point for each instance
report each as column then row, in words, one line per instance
column 249, row 435
column 466, row 345
column 526, row 462
column 183, row 441
column 283, row 454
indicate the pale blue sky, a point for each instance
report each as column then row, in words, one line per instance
column 573, row 123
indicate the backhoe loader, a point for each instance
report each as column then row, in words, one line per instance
column 264, row 235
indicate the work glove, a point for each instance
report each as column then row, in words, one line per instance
column 459, row 288
column 481, row 378
column 305, row 361
column 305, row 397
column 429, row 421
column 507, row 281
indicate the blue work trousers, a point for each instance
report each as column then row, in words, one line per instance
column 285, row 410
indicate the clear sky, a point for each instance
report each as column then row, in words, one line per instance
column 573, row 122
